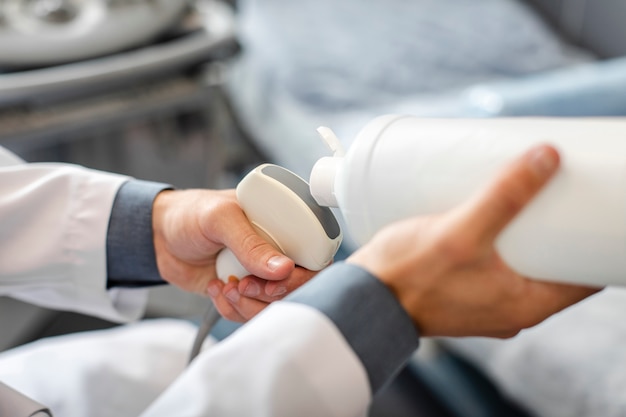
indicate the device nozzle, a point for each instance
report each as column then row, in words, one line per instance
column 331, row 140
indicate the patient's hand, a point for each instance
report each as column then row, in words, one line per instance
column 240, row 301
column 446, row 272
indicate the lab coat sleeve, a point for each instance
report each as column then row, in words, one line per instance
column 314, row 354
column 53, row 237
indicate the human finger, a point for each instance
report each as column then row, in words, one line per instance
column 485, row 215
column 215, row 290
column 246, row 307
column 269, row 291
column 255, row 253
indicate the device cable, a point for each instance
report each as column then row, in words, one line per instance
column 209, row 319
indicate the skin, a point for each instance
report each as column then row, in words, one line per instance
column 191, row 227
column 445, row 269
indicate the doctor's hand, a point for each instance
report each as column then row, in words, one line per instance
column 445, row 269
column 192, row 226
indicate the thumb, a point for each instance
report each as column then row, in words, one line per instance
column 484, row 216
column 261, row 258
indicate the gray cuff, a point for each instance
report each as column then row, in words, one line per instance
column 367, row 314
column 15, row 404
column 131, row 261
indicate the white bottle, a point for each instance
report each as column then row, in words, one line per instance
column 400, row 166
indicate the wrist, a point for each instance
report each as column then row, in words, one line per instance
column 393, row 278
column 160, row 208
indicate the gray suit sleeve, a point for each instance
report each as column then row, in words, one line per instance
column 367, row 314
column 131, row 261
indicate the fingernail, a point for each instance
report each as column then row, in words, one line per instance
column 276, row 262
column 252, row 289
column 275, row 290
column 213, row 290
column 233, row 295
column 543, row 162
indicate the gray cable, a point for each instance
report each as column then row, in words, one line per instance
column 210, row 318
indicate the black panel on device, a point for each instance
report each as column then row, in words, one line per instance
column 301, row 189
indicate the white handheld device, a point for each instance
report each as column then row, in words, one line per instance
column 282, row 210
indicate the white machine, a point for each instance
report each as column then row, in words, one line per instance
column 399, row 166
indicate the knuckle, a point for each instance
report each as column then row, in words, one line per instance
column 215, row 215
column 253, row 243
column 222, row 206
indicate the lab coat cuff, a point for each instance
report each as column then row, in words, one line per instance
column 131, row 259
column 367, row 314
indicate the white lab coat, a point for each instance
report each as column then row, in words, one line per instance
column 52, row 238
column 289, row 361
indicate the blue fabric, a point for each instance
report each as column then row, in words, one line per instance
column 340, row 64
column 367, row 314
column 347, row 55
column 131, row 261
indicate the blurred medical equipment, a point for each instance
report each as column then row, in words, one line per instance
column 162, row 91
column 49, row 32
column 138, row 96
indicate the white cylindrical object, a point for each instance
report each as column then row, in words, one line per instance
column 573, row 231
